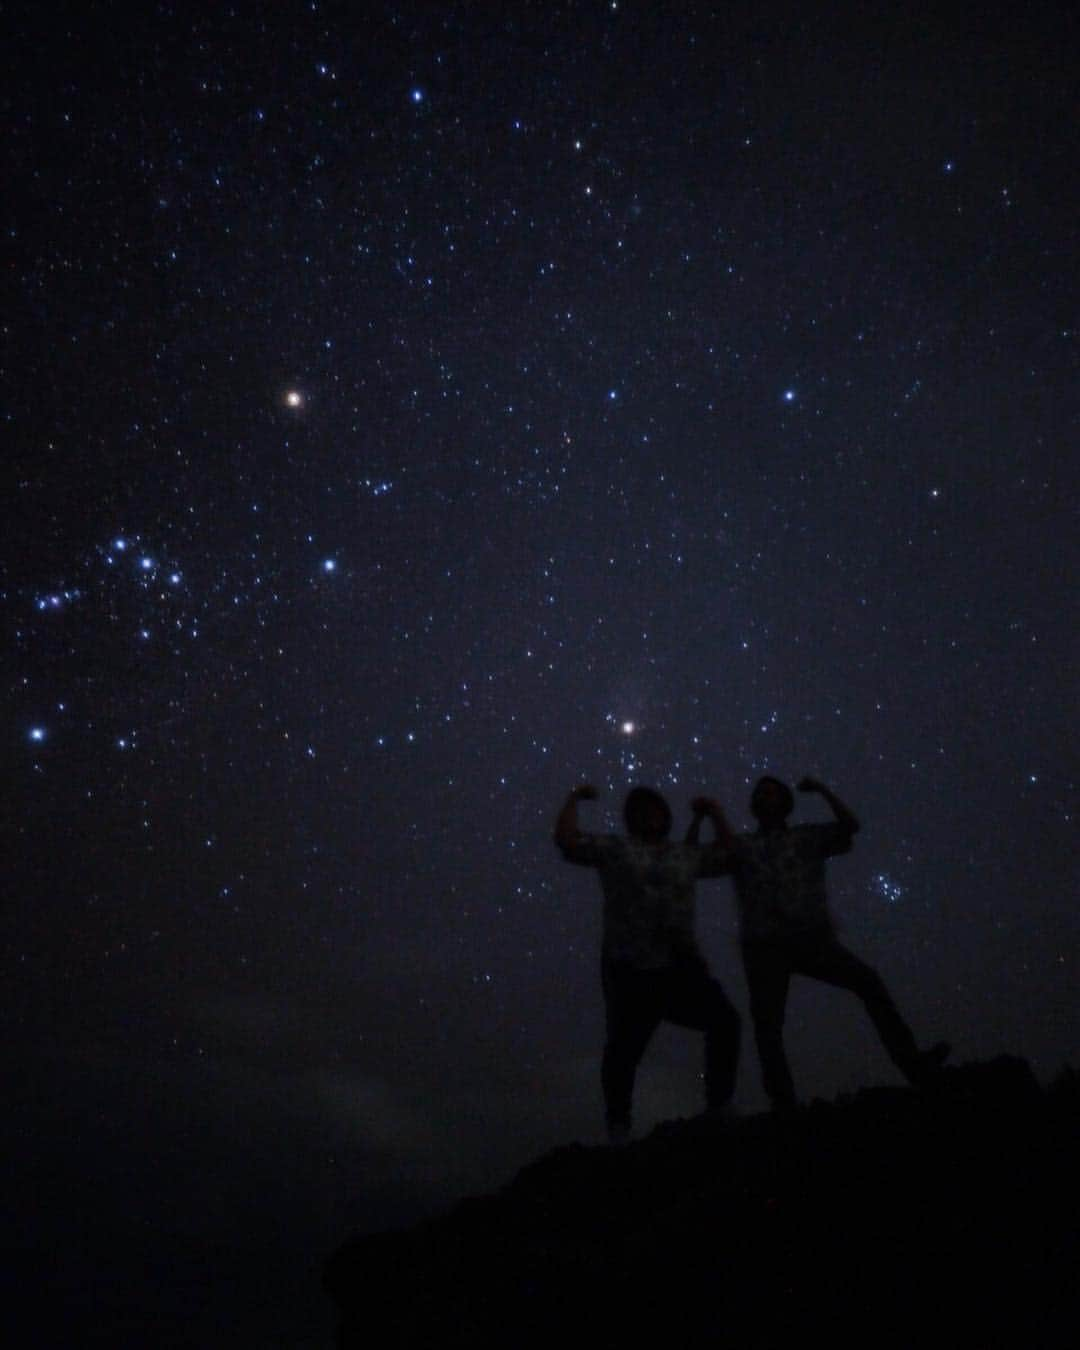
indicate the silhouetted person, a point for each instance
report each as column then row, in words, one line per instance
column 785, row 930
column 651, row 967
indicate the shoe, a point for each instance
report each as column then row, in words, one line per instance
column 618, row 1132
column 928, row 1063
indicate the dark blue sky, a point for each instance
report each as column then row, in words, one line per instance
column 674, row 399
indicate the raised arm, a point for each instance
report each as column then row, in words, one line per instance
column 567, row 832
column 718, row 858
column 844, row 815
column 709, row 806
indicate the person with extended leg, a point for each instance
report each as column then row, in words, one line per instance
column 785, row 928
column 652, row 970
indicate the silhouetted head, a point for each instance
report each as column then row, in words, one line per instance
column 771, row 802
column 647, row 815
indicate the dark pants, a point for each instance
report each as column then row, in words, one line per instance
column 769, row 968
column 638, row 1001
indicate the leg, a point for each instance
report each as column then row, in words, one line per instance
column 828, row 960
column 695, row 1000
column 632, row 1001
column 768, row 972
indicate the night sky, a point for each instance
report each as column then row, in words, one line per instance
column 411, row 411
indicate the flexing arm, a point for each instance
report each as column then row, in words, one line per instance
column 718, row 858
column 709, row 806
column 844, row 816
column 567, row 833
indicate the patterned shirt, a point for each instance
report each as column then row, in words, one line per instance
column 648, row 896
column 780, row 879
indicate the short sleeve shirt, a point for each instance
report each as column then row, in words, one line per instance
column 648, row 896
column 779, row 879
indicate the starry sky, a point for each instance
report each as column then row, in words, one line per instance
column 413, row 410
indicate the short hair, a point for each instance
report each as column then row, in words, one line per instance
column 789, row 796
column 639, row 798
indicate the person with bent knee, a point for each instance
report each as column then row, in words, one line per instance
column 652, row 970
column 785, row 929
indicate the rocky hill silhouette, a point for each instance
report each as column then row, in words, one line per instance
column 938, row 1217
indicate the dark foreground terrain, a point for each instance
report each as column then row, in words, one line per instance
column 943, row 1217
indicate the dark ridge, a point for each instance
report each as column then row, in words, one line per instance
column 933, row 1217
